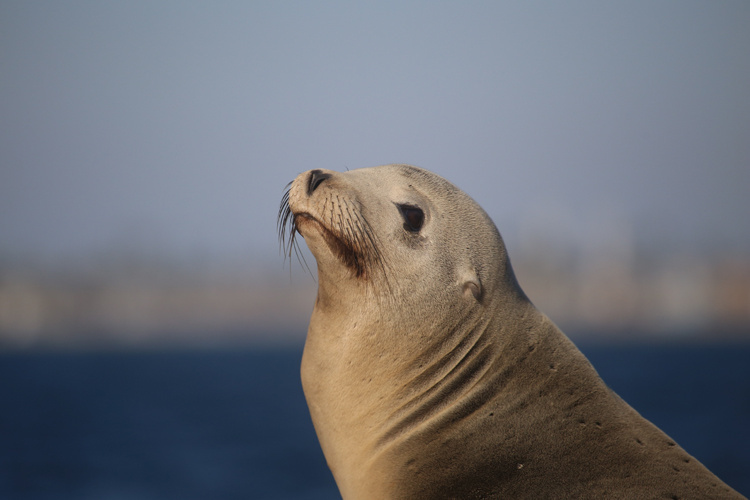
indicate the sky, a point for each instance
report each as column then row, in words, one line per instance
column 173, row 127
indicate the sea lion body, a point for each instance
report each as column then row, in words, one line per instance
column 429, row 374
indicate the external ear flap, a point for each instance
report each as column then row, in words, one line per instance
column 470, row 282
column 474, row 287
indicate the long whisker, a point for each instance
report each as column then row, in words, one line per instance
column 284, row 216
column 287, row 229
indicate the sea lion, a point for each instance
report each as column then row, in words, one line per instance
column 428, row 372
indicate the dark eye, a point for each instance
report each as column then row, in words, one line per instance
column 413, row 217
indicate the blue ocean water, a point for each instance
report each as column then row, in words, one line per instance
column 226, row 424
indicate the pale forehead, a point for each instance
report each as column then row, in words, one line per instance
column 400, row 184
column 400, row 177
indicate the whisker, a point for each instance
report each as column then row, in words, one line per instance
column 300, row 256
column 287, row 229
column 370, row 242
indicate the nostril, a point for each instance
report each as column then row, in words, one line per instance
column 316, row 178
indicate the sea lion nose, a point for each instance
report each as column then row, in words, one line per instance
column 316, row 178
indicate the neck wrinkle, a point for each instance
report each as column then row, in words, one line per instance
column 443, row 376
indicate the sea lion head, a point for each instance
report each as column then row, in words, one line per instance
column 396, row 234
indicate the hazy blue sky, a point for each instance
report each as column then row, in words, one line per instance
column 174, row 126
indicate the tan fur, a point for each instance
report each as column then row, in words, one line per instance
column 429, row 374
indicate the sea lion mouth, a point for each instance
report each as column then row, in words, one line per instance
column 353, row 244
column 341, row 248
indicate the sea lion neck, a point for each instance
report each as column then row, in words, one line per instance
column 413, row 386
column 451, row 369
column 413, row 360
